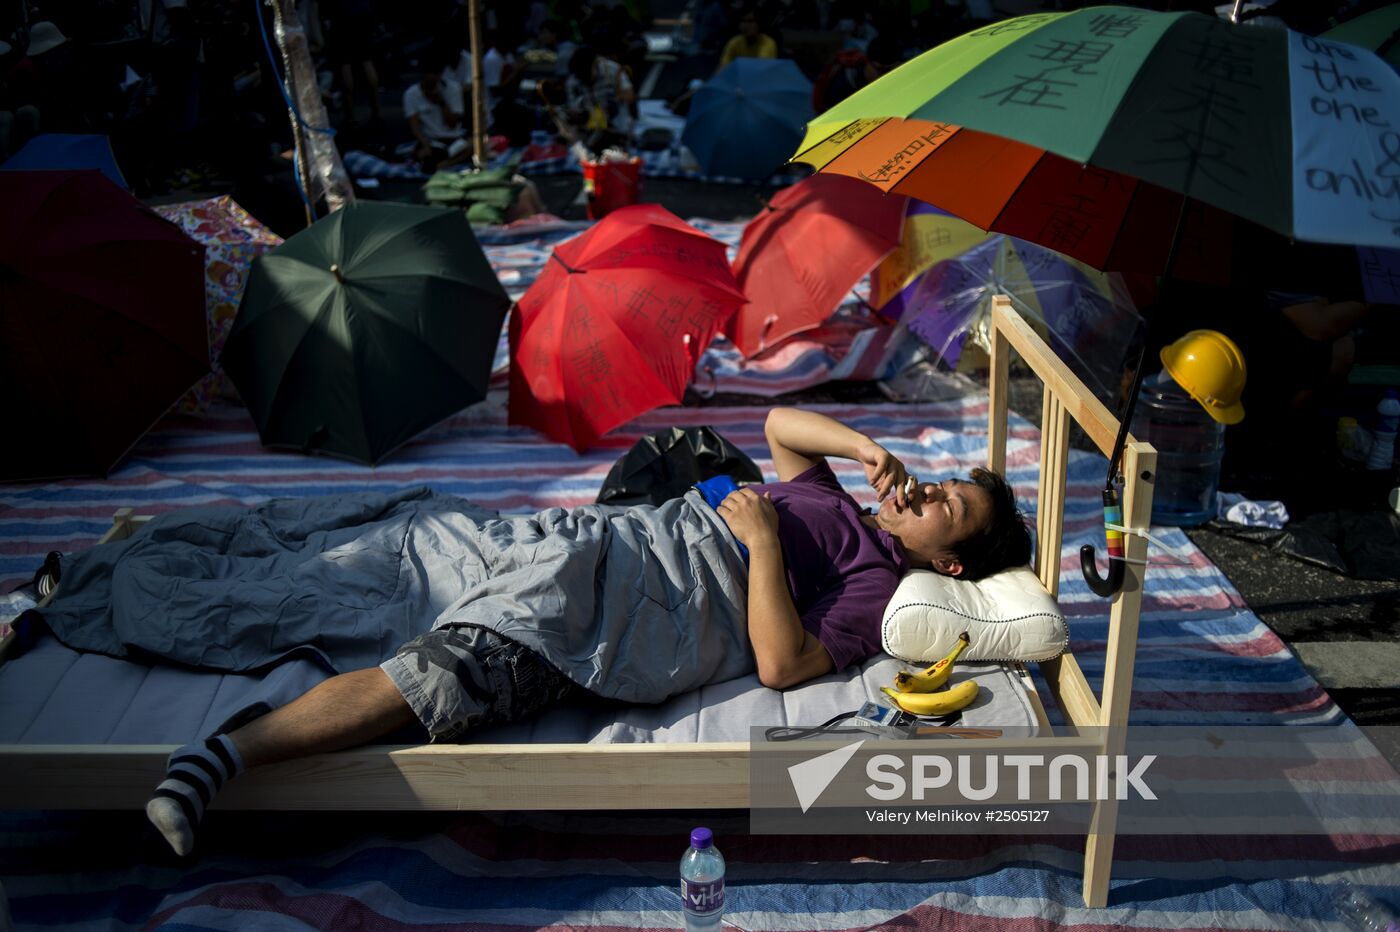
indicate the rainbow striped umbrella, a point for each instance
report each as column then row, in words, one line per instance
column 1080, row 131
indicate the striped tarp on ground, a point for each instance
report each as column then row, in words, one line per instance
column 1203, row 658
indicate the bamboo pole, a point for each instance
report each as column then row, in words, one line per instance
column 478, row 85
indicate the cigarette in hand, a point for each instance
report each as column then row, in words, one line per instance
column 909, row 486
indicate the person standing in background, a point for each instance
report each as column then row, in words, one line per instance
column 495, row 69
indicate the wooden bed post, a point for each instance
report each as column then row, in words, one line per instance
column 1066, row 398
column 1139, row 471
column 997, row 389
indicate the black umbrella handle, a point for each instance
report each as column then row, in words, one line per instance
column 1088, row 565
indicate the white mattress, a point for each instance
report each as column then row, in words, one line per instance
column 54, row 695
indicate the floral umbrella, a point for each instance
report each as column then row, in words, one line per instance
column 232, row 239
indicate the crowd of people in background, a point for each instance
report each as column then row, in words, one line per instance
column 187, row 89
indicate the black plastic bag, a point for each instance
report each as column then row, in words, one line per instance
column 1360, row 544
column 662, row 466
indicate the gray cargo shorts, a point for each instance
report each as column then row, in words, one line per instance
column 465, row 677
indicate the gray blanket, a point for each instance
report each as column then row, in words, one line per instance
column 636, row 603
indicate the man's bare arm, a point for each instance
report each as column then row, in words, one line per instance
column 798, row 440
column 785, row 653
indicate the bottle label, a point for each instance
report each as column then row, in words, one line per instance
column 702, row 897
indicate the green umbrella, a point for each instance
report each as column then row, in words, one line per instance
column 364, row 329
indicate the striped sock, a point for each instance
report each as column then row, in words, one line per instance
column 193, row 775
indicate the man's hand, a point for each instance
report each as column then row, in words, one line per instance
column 885, row 473
column 751, row 517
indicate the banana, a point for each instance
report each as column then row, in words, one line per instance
column 940, row 703
column 933, row 676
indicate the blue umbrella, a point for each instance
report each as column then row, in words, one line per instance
column 749, row 118
column 66, row 152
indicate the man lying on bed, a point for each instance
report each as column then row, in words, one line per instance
column 636, row 604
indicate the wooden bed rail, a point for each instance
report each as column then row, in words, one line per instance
column 1066, row 398
column 466, row 777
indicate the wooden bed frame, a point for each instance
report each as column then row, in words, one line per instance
column 654, row 776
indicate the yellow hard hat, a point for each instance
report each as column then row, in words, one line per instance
column 1211, row 368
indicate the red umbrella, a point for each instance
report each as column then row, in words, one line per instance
column 613, row 326
column 101, row 320
column 800, row 258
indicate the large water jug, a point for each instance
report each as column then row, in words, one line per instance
column 1190, row 444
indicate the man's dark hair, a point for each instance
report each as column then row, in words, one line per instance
column 1004, row 542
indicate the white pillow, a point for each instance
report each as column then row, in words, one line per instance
column 1008, row 615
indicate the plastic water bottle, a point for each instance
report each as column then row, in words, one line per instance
column 1190, row 446
column 1353, row 441
column 1363, row 912
column 702, row 882
column 1383, row 437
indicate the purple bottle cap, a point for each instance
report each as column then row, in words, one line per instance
column 701, row 838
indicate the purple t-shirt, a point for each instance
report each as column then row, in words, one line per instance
column 840, row 572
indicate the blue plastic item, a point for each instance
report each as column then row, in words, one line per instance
column 67, row 151
column 1382, row 452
